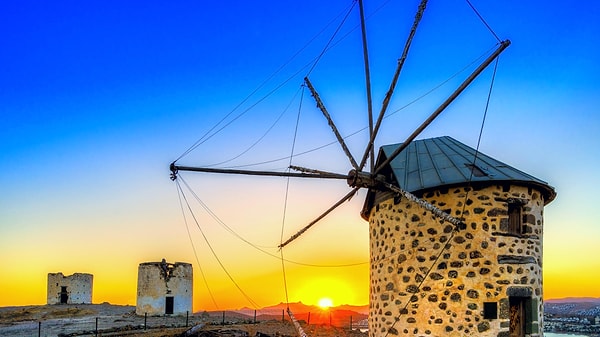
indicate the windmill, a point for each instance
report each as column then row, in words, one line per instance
column 358, row 177
column 394, row 310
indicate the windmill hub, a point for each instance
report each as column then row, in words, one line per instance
column 364, row 179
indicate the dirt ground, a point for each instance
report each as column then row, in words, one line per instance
column 115, row 320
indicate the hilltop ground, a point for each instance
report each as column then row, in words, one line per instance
column 115, row 320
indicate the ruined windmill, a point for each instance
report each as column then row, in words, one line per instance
column 455, row 235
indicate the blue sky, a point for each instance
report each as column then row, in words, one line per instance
column 96, row 99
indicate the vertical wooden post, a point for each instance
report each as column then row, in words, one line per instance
column 96, row 331
column 254, row 316
column 350, row 323
column 145, row 320
column 282, row 316
column 223, row 321
column 187, row 317
column 39, row 328
column 308, row 319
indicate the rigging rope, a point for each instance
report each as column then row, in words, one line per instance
column 331, row 39
column 467, row 66
column 482, row 20
column 263, row 135
column 285, row 202
column 254, row 304
column 257, row 247
column 468, row 189
column 314, row 62
column 187, row 228
column 206, row 135
column 330, row 45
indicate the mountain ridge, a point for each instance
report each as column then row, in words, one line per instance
column 364, row 309
column 299, row 307
column 573, row 300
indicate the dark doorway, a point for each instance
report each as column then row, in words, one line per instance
column 517, row 316
column 169, row 305
column 64, row 296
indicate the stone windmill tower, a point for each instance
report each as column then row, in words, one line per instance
column 430, row 279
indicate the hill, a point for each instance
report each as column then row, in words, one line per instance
column 573, row 306
column 574, row 300
column 338, row 316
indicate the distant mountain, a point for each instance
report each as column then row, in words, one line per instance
column 574, row 300
column 338, row 316
column 299, row 307
column 573, row 306
column 362, row 309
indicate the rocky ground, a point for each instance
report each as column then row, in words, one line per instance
column 115, row 320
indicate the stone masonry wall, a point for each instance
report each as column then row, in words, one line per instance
column 427, row 280
column 78, row 288
column 159, row 280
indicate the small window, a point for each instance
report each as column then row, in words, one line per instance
column 490, row 310
column 514, row 217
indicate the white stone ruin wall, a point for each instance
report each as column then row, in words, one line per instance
column 159, row 280
column 78, row 288
column 413, row 293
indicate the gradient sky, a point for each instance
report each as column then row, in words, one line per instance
column 97, row 98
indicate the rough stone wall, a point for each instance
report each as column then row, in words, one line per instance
column 78, row 288
column 159, row 280
column 427, row 280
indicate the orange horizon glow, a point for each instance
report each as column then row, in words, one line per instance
column 559, row 283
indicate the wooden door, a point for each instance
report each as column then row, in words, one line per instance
column 517, row 316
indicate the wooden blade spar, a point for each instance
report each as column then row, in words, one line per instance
column 388, row 95
column 306, row 173
column 363, row 29
column 339, row 137
column 324, row 214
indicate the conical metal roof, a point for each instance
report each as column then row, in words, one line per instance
column 444, row 162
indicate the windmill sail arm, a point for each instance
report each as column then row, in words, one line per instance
column 367, row 80
column 388, row 96
column 312, row 174
column 339, row 137
column 445, row 104
column 329, row 210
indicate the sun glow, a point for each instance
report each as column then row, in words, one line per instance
column 325, row 303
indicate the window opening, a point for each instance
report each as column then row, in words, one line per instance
column 514, row 217
column 490, row 310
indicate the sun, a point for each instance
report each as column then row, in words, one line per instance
column 325, row 303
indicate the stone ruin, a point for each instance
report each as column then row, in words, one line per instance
column 164, row 288
column 73, row 289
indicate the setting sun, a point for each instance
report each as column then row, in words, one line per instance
column 325, row 303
